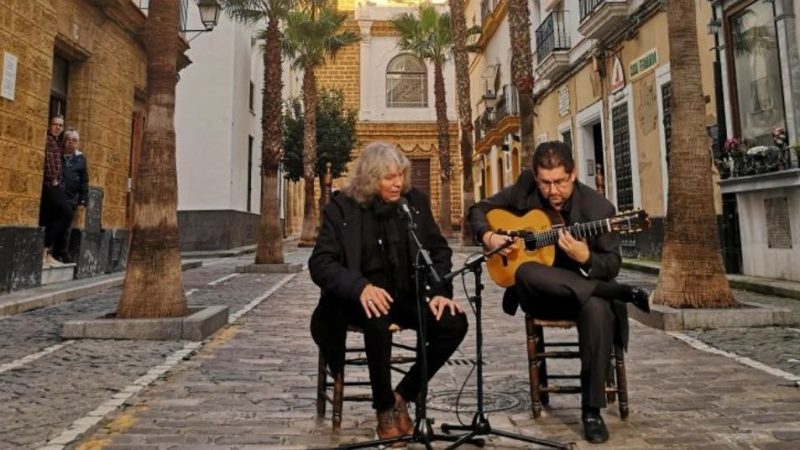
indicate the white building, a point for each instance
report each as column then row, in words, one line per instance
column 218, row 125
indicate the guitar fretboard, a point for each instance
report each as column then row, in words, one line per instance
column 538, row 239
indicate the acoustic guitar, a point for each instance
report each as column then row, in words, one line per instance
column 536, row 237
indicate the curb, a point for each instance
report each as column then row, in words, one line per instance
column 54, row 294
column 735, row 283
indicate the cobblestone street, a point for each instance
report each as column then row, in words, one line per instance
column 252, row 385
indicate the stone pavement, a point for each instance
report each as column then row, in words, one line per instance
column 252, row 386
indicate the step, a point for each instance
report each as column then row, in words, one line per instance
column 58, row 274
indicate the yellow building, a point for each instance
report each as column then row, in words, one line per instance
column 602, row 86
column 85, row 60
column 393, row 94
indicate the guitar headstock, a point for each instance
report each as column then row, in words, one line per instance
column 630, row 221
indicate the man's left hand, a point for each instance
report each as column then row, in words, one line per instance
column 439, row 304
column 576, row 249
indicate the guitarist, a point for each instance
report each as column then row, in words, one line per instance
column 579, row 286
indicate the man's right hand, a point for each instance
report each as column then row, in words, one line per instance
column 375, row 301
column 492, row 240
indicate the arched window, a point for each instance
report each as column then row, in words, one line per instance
column 406, row 83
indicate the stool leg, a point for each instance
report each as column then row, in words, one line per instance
column 540, row 349
column 622, row 381
column 322, row 377
column 533, row 367
column 338, row 393
column 611, row 384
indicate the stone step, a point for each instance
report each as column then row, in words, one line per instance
column 57, row 274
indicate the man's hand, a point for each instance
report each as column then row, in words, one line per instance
column 577, row 250
column 439, row 304
column 492, row 240
column 375, row 301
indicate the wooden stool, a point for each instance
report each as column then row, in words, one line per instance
column 616, row 385
column 337, row 383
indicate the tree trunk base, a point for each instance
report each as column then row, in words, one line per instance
column 746, row 314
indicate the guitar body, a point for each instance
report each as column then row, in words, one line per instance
column 502, row 268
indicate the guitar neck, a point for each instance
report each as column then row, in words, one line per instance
column 539, row 239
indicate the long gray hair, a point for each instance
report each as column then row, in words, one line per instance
column 376, row 160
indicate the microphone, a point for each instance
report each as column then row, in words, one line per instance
column 405, row 210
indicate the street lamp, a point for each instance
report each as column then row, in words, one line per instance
column 209, row 13
column 209, row 16
column 714, row 25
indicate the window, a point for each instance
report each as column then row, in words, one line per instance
column 252, row 96
column 59, row 86
column 406, row 83
column 250, row 172
column 754, row 54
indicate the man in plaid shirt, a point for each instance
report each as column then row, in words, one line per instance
column 55, row 214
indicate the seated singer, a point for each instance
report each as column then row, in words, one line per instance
column 363, row 261
column 579, row 285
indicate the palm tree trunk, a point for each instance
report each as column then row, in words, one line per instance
column 309, row 232
column 519, row 23
column 459, row 27
column 270, row 246
column 153, row 286
column 445, row 166
column 692, row 275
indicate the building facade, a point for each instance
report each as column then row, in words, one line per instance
column 85, row 60
column 218, row 131
column 760, row 81
column 602, row 86
column 393, row 93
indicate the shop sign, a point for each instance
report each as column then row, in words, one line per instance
column 643, row 64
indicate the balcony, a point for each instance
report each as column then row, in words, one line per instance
column 498, row 120
column 599, row 18
column 757, row 161
column 552, row 45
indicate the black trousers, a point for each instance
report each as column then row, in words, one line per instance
column 444, row 336
column 554, row 293
column 55, row 215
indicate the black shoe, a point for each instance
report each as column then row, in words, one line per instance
column 641, row 299
column 594, row 428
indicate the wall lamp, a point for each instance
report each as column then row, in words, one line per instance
column 209, row 16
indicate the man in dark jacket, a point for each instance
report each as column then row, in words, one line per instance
column 579, row 285
column 363, row 261
column 75, row 176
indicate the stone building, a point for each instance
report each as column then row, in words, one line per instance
column 602, row 86
column 393, row 93
column 84, row 59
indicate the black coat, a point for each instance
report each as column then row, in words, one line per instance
column 75, row 174
column 586, row 205
column 335, row 266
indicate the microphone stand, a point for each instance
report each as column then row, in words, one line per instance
column 423, row 426
column 480, row 423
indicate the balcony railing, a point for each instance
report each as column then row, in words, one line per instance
column 552, row 35
column 587, row 6
column 507, row 104
column 748, row 163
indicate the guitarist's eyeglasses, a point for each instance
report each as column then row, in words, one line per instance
column 558, row 184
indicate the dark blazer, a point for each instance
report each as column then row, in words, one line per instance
column 76, row 179
column 585, row 205
column 335, row 265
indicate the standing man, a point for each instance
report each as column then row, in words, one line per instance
column 75, row 178
column 54, row 212
column 579, row 285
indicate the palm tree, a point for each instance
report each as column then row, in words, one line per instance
column 519, row 26
column 311, row 35
column 692, row 275
column 427, row 35
column 269, row 249
column 459, row 27
column 153, row 286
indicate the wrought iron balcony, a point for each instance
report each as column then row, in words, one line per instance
column 758, row 162
column 552, row 45
column 507, row 104
column 598, row 18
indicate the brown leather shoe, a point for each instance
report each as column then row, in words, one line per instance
column 387, row 425
column 401, row 414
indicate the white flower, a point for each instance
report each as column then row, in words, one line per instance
column 758, row 150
